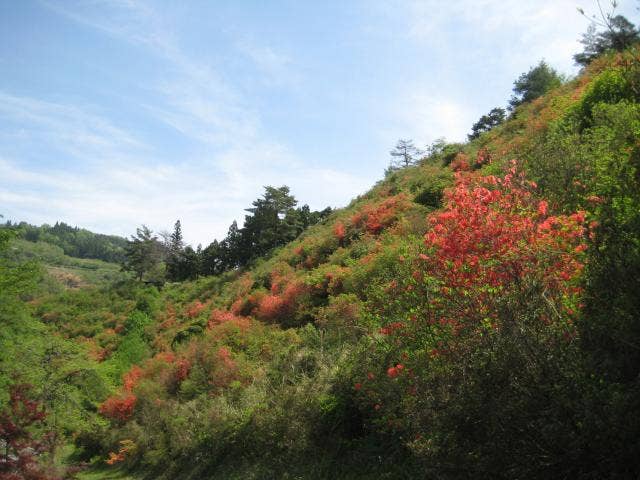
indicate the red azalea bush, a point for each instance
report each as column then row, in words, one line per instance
column 222, row 317
column 280, row 307
column 493, row 254
column 494, row 233
column 119, row 408
column 339, row 231
column 375, row 218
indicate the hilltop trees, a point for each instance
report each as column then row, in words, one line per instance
column 618, row 34
column 272, row 221
column 533, row 84
column 143, row 253
column 486, row 122
column 404, row 154
column 74, row 241
column 529, row 86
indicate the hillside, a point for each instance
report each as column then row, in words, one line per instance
column 69, row 271
column 73, row 241
column 472, row 316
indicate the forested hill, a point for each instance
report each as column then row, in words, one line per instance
column 474, row 315
column 74, row 241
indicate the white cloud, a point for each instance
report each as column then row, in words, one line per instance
column 119, row 199
column 129, row 183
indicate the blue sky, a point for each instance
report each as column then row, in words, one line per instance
column 115, row 113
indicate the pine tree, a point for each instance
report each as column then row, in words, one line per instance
column 533, row 84
column 175, row 254
column 142, row 252
column 404, row 154
column 486, row 122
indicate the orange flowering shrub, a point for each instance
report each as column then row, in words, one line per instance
column 246, row 305
column 126, row 447
column 493, row 232
column 221, row 317
column 131, row 378
column 339, row 231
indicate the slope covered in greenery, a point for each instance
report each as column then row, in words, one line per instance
column 74, row 241
column 473, row 316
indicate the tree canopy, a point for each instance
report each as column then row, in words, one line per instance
column 618, row 34
column 534, row 83
column 486, row 122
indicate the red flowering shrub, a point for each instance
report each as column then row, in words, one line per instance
column 131, row 378
column 182, row 368
column 493, row 233
column 482, row 158
column 393, row 372
column 119, row 408
column 460, row 163
column 194, row 309
column 221, row 317
column 271, row 307
column 392, row 327
column 494, row 247
column 375, row 218
column 20, row 447
column 246, row 305
column 223, row 368
column 339, row 231
column 281, row 306
column 170, row 317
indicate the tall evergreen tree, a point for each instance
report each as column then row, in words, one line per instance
column 175, row 254
column 533, row 84
column 142, row 252
column 213, row 259
column 486, row 122
column 268, row 227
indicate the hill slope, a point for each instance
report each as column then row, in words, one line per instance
column 473, row 316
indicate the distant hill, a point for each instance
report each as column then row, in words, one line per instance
column 74, row 241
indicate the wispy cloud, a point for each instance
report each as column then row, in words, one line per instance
column 71, row 129
column 276, row 69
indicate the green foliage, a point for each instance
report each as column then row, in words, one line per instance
column 74, row 241
column 143, row 256
column 63, row 270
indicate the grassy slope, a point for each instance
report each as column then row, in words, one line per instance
column 68, row 271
